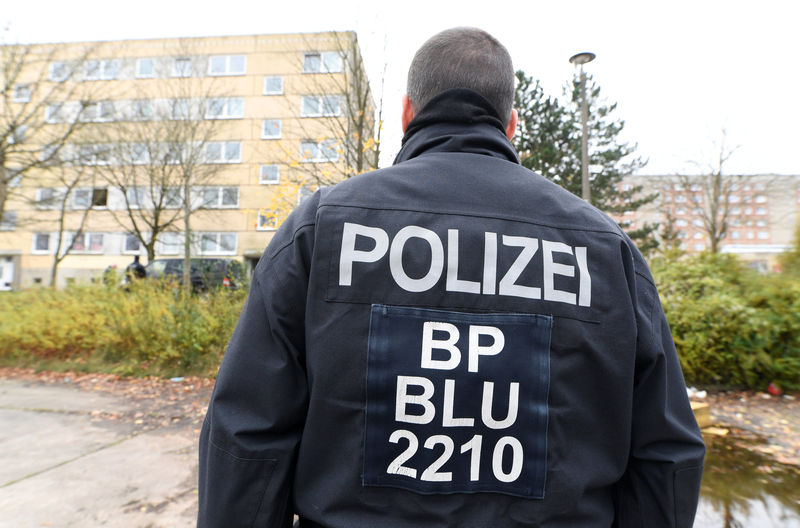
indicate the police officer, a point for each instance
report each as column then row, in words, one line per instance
column 451, row 341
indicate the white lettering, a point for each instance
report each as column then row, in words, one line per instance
column 488, row 400
column 449, row 344
column 489, row 263
column 475, row 349
column 396, row 259
column 453, row 282
column 449, row 397
column 508, row 285
column 350, row 254
column 552, row 268
column 585, row 297
column 516, row 459
column 404, row 399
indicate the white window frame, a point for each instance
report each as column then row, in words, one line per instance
column 329, row 62
column 267, row 90
column 125, row 238
column 180, row 71
column 88, row 239
column 166, row 248
column 219, row 198
column 94, row 154
column 98, row 112
column 51, row 201
column 21, row 93
column 217, row 237
column 9, row 221
column 226, row 149
column 35, row 250
column 267, row 220
column 228, row 61
column 326, row 145
column 173, row 198
column 141, row 109
column 269, row 180
column 53, row 113
column 229, row 108
column 324, row 105
column 134, row 196
column 58, row 71
column 142, row 60
column 265, row 134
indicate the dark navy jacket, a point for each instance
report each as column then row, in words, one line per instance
column 451, row 341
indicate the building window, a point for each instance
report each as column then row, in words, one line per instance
column 699, row 247
column 182, row 67
column 172, row 197
column 218, row 243
column 223, row 152
column 736, row 234
column 680, row 198
column 318, row 151
column 320, row 106
column 54, row 113
column 141, row 109
column 170, row 243
column 106, row 70
column 41, row 242
column 269, row 175
column 219, row 197
column 21, row 94
column 761, row 210
column 324, row 62
column 761, row 198
column 180, row 109
column 101, row 111
column 97, row 154
column 227, row 65
column 267, row 220
column 225, row 108
column 87, row 242
column 698, row 236
column 273, row 85
column 59, row 71
column 47, row 198
column 763, row 235
column 132, row 243
column 761, row 223
column 681, row 222
column 135, row 196
column 9, row 222
column 271, row 129
column 145, row 68
column 85, row 198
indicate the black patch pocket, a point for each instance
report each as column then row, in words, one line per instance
column 457, row 402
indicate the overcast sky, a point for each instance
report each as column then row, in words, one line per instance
column 680, row 71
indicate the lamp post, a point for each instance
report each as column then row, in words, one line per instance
column 579, row 59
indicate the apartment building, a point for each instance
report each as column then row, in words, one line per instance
column 762, row 212
column 122, row 140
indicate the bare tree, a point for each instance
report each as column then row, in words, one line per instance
column 336, row 116
column 164, row 147
column 712, row 199
column 41, row 110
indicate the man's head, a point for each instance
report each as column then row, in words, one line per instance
column 462, row 58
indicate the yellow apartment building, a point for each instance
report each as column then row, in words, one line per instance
column 762, row 212
column 106, row 146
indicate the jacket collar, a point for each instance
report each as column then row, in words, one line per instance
column 457, row 120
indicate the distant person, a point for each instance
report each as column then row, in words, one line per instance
column 135, row 270
column 453, row 341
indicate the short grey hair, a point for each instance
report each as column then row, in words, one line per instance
column 463, row 57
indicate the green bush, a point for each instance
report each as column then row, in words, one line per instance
column 732, row 326
column 150, row 329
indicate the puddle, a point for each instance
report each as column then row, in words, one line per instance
column 744, row 489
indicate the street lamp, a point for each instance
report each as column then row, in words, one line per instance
column 579, row 59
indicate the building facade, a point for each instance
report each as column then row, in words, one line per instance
column 122, row 141
column 760, row 213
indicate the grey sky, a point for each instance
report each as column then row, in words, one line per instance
column 680, row 71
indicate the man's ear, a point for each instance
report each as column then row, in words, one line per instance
column 408, row 112
column 511, row 127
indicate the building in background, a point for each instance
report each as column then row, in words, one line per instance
column 760, row 213
column 112, row 145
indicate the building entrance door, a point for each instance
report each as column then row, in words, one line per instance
column 6, row 273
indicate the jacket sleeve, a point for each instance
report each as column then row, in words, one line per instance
column 662, row 483
column 250, row 436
